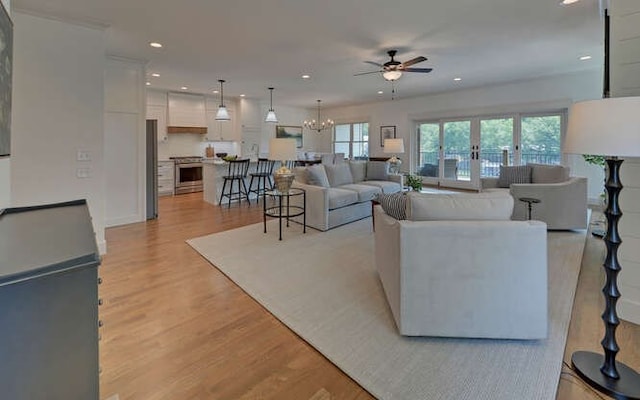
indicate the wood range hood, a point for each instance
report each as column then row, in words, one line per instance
column 187, row 129
column 186, row 113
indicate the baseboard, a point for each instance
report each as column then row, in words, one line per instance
column 102, row 247
column 129, row 219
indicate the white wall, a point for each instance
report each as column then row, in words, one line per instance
column 124, row 141
column 57, row 110
column 5, row 162
column 543, row 94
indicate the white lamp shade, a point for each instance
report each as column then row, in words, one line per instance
column 392, row 75
column 608, row 127
column 271, row 117
column 282, row 149
column 223, row 114
column 393, row 146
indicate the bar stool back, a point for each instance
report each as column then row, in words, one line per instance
column 237, row 172
column 264, row 170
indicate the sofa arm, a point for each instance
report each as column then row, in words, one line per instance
column 316, row 207
column 488, row 183
column 397, row 178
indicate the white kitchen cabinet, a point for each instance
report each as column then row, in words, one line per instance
column 186, row 110
column 166, row 178
column 222, row 130
column 159, row 113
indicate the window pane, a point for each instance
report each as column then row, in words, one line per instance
column 341, row 148
column 360, row 149
column 496, row 135
column 428, row 144
column 343, row 133
column 541, row 139
column 457, row 150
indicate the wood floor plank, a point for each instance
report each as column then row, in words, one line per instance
column 176, row 328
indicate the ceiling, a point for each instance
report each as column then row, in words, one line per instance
column 257, row 44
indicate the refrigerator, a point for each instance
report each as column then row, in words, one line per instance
column 151, row 169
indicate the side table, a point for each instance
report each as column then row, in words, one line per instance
column 283, row 209
column 529, row 201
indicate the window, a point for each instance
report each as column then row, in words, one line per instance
column 352, row 140
column 540, row 139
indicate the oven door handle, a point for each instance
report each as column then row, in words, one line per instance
column 189, row 165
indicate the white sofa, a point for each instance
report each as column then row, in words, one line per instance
column 345, row 192
column 563, row 199
column 448, row 272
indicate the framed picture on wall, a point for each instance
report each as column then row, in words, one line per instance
column 6, row 63
column 290, row 132
column 387, row 132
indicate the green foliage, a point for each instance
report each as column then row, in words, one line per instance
column 593, row 159
column 414, row 181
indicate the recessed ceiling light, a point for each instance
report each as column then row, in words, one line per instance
column 148, row 83
column 565, row 2
column 380, row 92
column 216, row 91
column 457, row 79
column 584, row 58
column 155, row 44
column 184, row 88
column 155, row 74
column 305, row 76
column 242, row 95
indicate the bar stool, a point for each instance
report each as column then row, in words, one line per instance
column 237, row 172
column 264, row 169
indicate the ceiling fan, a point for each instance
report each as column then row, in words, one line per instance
column 392, row 70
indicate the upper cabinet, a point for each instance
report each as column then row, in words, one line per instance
column 159, row 113
column 187, row 113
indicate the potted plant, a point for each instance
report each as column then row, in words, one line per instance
column 414, row 182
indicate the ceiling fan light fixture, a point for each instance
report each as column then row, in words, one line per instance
column 392, row 75
column 271, row 115
column 222, row 114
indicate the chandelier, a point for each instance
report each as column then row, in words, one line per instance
column 318, row 125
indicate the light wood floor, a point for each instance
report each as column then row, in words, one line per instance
column 177, row 328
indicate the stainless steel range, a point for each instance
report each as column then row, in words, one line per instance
column 188, row 174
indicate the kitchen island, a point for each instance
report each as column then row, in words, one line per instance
column 212, row 173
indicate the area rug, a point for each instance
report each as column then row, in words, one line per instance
column 324, row 286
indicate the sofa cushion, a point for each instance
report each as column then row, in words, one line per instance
column 316, row 175
column 341, row 197
column 377, row 170
column 365, row 192
column 546, row 173
column 514, row 174
column 460, row 206
column 394, row 204
column 338, row 174
column 385, row 186
column 300, row 175
column 358, row 170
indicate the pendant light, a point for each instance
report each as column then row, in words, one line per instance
column 223, row 114
column 271, row 115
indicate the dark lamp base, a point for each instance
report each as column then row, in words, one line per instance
column 587, row 366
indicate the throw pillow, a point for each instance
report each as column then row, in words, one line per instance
column 317, row 176
column 358, row 170
column 377, row 170
column 394, row 204
column 459, row 206
column 300, row 175
column 546, row 173
column 338, row 174
column 514, row 174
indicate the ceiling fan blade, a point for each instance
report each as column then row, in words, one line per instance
column 417, row 69
column 414, row 61
column 366, row 73
column 374, row 63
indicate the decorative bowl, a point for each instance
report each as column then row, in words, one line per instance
column 221, row 155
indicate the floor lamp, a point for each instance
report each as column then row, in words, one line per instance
column 609, row 127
